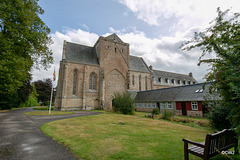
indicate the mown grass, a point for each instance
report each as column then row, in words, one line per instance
column 42, row 108
column 46, row 113
column 116, row 136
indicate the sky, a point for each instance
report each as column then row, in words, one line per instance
column 154, row 29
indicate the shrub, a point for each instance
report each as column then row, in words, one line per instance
column 155, row 111
column 203, row 123
column 123, row 103
column 167, row 115
column 218, row 114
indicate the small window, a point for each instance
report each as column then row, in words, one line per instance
column 149, row 105
column 184, row 82
column 170, row 106
column 132, row 79
column 189, row 82
column 166, row 80
column 159, row 79
column 173, row 81
column 194, row 105
column 115, row 49
column 179, row 81
column 163, row 105
column 197, row 91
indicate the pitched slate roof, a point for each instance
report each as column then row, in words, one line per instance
column 80, row 53
column 174, row 94
column 163, row 74
column 138, row 64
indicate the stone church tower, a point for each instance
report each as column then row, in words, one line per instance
column 89, row 76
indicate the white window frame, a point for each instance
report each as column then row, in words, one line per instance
column 149, row 105
column 169, row 104
column 194, row 105
column 163, row 104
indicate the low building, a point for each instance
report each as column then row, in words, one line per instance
column 163, row 79
column 183, row 100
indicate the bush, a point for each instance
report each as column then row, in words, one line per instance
column 123, row 103
column 155, row 111
column 167, row 115
column 218, row 114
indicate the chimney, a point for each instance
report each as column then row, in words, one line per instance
column 190, row 74
column 150, row 67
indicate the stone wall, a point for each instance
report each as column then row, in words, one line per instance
column 65, row 99
column 135, row 85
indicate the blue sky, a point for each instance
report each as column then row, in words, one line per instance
column 155, row 29
column 96, row 16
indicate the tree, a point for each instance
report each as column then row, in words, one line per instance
column 43, row 89
column 32, row 99
column 222, row 38
column 15, row 99
column 24, row 40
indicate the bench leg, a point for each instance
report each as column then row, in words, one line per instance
column 186, row 157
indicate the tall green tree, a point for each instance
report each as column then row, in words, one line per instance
column 15, row 99
column 222, row 39
column 43, row 88
column 24, row 41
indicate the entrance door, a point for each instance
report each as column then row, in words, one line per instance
column 184, row 111
column 158, row 106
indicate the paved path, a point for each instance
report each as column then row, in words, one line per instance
column 22, row 139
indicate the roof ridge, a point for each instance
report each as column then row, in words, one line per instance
column 79, row 44
column 171, row 72
column 177, row 87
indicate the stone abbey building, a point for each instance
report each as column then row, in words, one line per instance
column 89, row 76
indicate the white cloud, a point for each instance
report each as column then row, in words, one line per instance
column 186, row 13
column 165, row 54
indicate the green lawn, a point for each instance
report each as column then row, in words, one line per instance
column 43, row 108
column 116, row 136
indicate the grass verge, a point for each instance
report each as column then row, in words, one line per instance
column 116, row 136
column 42, row 108
column 46, row 113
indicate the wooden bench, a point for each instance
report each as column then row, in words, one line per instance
column 213, row 145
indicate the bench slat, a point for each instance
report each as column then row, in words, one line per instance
column 213, row 144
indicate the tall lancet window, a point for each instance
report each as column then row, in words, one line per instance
column 92, row 81
column 132, row 79
column 146, row 83
column 139, row 83
column 74, row 81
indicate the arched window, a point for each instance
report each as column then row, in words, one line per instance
column 74, row 81
column 92, row 81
